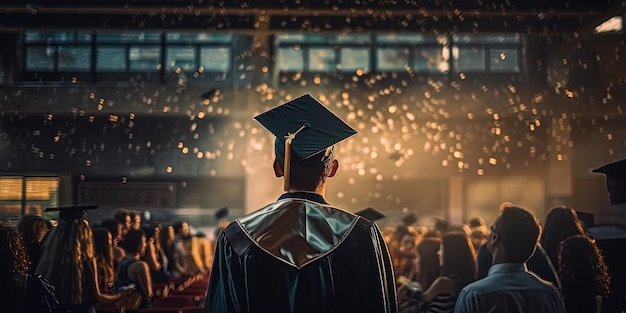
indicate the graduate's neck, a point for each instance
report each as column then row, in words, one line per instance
column 320, row 189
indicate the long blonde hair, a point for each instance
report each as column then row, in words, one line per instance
column 67, row 251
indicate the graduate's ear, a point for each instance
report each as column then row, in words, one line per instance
column 278, row 169
column 333, row 168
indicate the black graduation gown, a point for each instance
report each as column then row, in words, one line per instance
column 301, row 255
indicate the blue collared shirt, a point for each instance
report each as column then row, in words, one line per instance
column 511, row 288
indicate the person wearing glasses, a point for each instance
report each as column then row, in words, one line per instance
column 509, row 286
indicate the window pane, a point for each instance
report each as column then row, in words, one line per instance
column 290, row 60
column 392, row 59
column 49, row 36
column 469, row 59
column 406, row 38
column 196, row 37
column 183, row 58
column 486, row 38
column 40, row 58
column 353, row 59
column 129, row 37
column 72, row 58
column 215, row 59
column 41, row 192
column 353, row 39
column 111, row 59
column 431, row 60
column 504, row 60
column 84, row 36
column 322, row 60
column 10, row 200
column 144, row 58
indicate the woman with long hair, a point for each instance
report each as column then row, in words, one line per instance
column 103, row 244
column 68, row 262
column 458, row 269
column 13, row 268
column 584, row 275
column 561, row 223
column 428, row 262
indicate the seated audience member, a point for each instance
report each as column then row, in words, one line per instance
column 34, row 230
column 429, row 267
column 103, row 244
column 115, row 228
column 13, row 269
column 168, row 244
column 123, row 216
column 189, row 251
column 405, row 261
column 68, row 262
column 135, row 219
column 154, row 256
column 509, row 286
column 458, row 269
column 561, row 223
column 133, row 270
column 584, row 275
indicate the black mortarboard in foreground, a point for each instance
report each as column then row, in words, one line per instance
column 72, row 212
column 221, row 213
column 306, row 128
column 371, row 214
column 615, row 180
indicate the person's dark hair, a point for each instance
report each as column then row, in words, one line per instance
column 429, row 268
column 519, row 231
column 459, row 259
column 66, row 260
column 111, row 224
column 133, row 240
column 13, row 262
column 103, row 244
column 582, row 268
column 476, row 221
column 561, row 222
column 120, row 215
column 306, row 176
column 33, row 228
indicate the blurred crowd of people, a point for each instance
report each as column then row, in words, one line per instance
column 87, row 264
column 92, row 265
column 432, row 266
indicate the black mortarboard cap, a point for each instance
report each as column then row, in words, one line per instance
column 371, row 214
column 615, row 180
column 72, row 212
column 307, row 127
column 221, row 213
column 409, row 219
column 442, row 225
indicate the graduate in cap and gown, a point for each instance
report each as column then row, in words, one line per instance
column 611, row 239
column 68, row 262
column 301, row 254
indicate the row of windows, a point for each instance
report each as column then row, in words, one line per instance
column 149, row 51
column 496, row 53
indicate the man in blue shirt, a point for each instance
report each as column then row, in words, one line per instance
column 509, row 286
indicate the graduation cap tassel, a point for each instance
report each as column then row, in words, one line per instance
column 287, row 166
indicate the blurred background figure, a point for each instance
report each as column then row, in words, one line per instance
column 68, row 261
column 13, row 269
column 34, row 229
column 103, row 245
column 458, row 269
column 584, row 275
column 561, row 223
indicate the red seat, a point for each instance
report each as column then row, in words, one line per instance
column 174, row 301
column 159, row 310
column 191, row 309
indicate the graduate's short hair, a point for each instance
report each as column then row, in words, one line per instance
column 306, row 175
column 519, row 231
